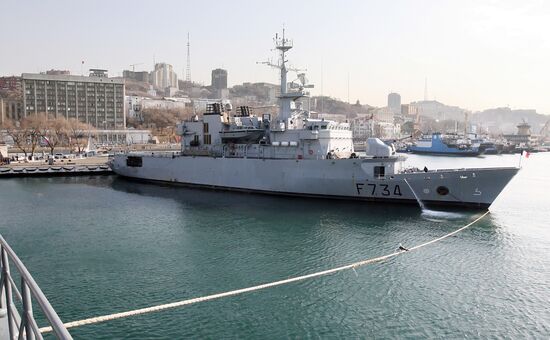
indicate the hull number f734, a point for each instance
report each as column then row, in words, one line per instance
column 373, row 189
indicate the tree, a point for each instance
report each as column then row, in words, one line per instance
column 77, row 133
column 27, row 133
column 35, row 126
column 18, row 135
column 55, row 133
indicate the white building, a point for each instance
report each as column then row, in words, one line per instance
column 136, row 104
column 394, row 103
column 118, row 137
column 362, row 127
column 163, row 76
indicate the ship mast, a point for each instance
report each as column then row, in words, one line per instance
column 284, row 44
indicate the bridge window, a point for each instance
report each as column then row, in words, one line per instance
column 379, row 171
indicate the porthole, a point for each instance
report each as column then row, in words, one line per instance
column 442, row 190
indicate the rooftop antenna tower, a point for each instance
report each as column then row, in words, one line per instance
column 188, row 70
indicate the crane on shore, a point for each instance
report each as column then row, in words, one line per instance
column 134, row 66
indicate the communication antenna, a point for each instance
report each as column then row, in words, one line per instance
column 322, row 96
column 188, row 70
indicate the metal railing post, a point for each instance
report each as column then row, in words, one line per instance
column 27, row 309
column 7, row 287
column 27, row 327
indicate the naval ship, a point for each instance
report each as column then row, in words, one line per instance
column 293, row 154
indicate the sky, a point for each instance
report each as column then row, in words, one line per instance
column 476, row 54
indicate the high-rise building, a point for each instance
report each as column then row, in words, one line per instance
column 219, row 79
column 394, row 103
column 136, row 75
column 96, row 100
column 164, row 76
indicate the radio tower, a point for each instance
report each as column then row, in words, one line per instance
column 188, row 70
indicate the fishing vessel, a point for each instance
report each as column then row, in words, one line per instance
column 439, row 144
column 293, row 154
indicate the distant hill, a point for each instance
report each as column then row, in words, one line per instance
column 505, row 120
column 330, row 105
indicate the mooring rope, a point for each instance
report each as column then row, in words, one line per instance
column 159, row 308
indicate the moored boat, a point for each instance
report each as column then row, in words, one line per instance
column 439, row 144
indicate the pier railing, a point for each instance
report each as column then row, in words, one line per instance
column 20, row 323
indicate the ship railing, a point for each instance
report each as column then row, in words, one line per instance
column 16, row 314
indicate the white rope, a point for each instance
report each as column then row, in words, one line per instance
column 158, row 308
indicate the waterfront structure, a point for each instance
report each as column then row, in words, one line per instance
column 96, row 100
column 296, row 155
column 122, row 136
column 394, row 103
column 523, row 137
column 163, row 76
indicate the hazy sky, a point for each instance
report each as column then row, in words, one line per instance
column 475, row 53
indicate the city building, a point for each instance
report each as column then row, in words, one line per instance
column 219, row 79
column 219, row 84
column 163, row 76
column 10, row 109
column 10, row 83
column 362, row 127
column 96, row 100
column 137, row 76
column 123, row 136
column 436, row 110
column 53, row 72
column 394, row 103
column 136, row 104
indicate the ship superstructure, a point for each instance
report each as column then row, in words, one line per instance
column 292, row 154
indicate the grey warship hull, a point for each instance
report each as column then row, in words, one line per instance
column 332, row 179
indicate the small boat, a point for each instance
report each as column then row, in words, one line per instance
column 30, row 169
column 104, row 167
column 43, row 169
column 17, row 169
column 5, row 169
column 55, row 168
column 68, row 168
column 92, row 168
column 437, row 144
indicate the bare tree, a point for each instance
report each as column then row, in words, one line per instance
column 18, row 135
column 27, row 134
column 55, row 133
column 78, row 133
column 35, row 126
